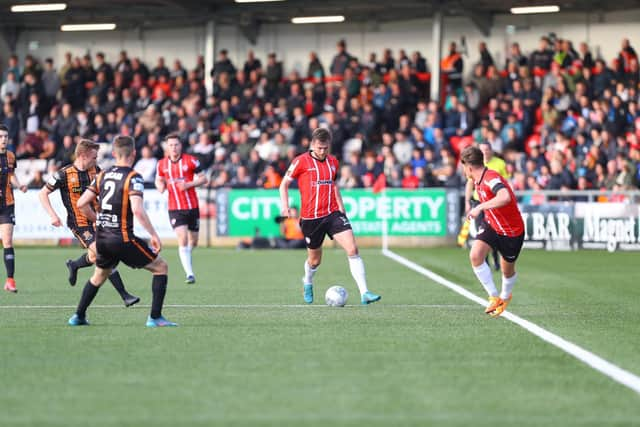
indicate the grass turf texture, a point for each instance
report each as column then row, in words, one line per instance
column 422, row 356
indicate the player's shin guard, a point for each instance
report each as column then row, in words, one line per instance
column 185, row 259
column 308, row 273
column 356, row 265
column 507, row 285
column 82, row 261
column 9, row 261
column 159, row 289
column 117, row 283
column 88, row 294
column 483, row 273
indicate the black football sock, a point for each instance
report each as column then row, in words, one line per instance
column 88, row 294
column 116, row 281
column 82, row 261
column 9, row 261
column 159, row 289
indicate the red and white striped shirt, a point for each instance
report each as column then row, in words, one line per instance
column 317, row 184
column 505, row 220
column 182, row 170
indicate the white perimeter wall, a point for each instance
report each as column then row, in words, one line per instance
column 292, row 43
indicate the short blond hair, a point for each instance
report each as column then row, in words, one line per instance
column 84, row 146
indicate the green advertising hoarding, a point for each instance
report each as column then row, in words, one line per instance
column 407, row 212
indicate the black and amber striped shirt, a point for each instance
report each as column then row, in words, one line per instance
column 114, row 187
column 7, row 169
column 72, row 182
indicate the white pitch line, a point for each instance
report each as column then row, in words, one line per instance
column 67, row 307
column 605, row 367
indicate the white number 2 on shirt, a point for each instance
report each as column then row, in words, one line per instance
column 110, row 186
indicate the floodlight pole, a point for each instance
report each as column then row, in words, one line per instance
column 436, row 55
column 209, row 54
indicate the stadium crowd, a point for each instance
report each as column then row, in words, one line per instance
column 560, row 118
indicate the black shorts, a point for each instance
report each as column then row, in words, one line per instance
column 85, row 235
column 188, row 217
column 509, row 247
column 111, row 250
column 8, row 215
column 314, row 230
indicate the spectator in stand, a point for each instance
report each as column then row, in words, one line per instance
column 12, row 67
column 516, row 56
column 146, row 167
column 251, row 64
column 10, row 88
column 223, row 65
column 543, row 57
column 486, row 59
column 340, row 60
column 315, row 69
column 452, row 66
column 626, row 56
column 51, row 84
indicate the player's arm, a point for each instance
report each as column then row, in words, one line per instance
column 468, row 193
column 137, row 207
column 502, row 198
column 16, row 184
column 43, row 195
column 85, row 204
column 161, row 183
column 339, row 199
column 284, row 195
column 199, row 179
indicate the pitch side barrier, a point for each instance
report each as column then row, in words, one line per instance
column 573, row 220
column 555, row 220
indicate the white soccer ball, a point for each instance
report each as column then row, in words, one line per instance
column 336, row 296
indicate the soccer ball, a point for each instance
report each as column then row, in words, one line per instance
column 336, row 296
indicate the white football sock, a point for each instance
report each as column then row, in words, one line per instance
column 185, row 259
column 507, row 285
column 483, row 273
column 356, row 265
column 308, row 273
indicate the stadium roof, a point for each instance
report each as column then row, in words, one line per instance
column 154, row 13
column 146, row 14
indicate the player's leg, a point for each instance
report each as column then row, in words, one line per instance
column 115, row 279
column 347, row 241
column 6, row 229
column 159, row 268
column 184, row 251
column 477, row 256
column 89, row 292
column 86, row 237
column 510, row 249
column 314, row 232
column 311, row 264
column 192, row 242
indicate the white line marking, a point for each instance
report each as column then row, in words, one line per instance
column 612, row 371
column 67, row 307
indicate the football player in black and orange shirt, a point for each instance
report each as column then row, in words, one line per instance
column 72, row 180
column 8, row 180
column 119, row 191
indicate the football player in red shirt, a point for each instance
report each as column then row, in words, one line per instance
column 322, row 212
column 501, row 229
column 180, row 174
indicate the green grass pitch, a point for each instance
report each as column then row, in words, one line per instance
column 248, row 352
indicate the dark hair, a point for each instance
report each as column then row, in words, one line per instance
column 123, row 145
column 472, row 156
column 4, row 128
column 172, row 135
column 321, row 135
